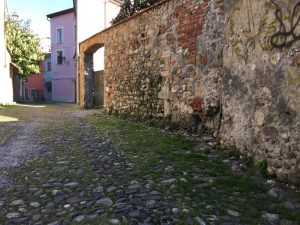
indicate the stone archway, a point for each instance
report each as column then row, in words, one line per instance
column 88, row 84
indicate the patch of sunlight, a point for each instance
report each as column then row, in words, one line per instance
column 32, row 106
column 8, row 119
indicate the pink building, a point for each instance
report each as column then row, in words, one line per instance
column 63, row 49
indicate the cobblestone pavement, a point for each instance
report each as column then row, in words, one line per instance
column 63, row 165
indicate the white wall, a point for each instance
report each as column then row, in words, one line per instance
column 99, row 59
column 91, row 20
column 112, row 12
column 6, row 83
column 90, row 17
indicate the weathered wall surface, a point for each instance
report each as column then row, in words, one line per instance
column 158, row 62
column 261, row 84
column 6, row 87
column 150, row 60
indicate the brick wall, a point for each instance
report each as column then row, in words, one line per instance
column 219, row 51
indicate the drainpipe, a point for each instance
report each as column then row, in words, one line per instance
column 4, row 37
column 77, row 89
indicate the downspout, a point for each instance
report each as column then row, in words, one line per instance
column 77, row 58
column 77, row 88
column 4, row 20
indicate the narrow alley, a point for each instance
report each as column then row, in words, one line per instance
column 63, row 165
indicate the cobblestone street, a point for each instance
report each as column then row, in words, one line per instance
column 62, row 165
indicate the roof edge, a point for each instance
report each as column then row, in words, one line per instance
column 59, row 13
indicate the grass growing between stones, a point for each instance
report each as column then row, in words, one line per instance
column 102, row 151
column 202, row 185
column 64, row 161
column 9, row 119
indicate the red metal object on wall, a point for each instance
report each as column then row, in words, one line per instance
column 196, row 104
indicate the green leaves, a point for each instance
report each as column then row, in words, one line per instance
column 24, row 46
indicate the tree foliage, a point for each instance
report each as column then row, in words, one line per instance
column 131, row 7
column 24, row 46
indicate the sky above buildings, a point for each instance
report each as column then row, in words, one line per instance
column 36, row 11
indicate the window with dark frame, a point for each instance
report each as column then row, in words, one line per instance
column 59, row 35
column 59, row 57
column 49, row 66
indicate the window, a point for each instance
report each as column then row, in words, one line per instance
column 59, row 57
column 49, row 66
column 59, row 36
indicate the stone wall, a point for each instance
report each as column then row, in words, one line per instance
column 229, row 53
column 261, row 85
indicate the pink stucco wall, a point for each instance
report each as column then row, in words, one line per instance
column 63, row 75
column 63, row 93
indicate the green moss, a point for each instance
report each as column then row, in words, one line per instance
column 149, row 120
column 136, row 85
column 232, row 151
column 293, row 76
column 247, row 160
column 262, row 167
column 151, row 150
column 204, row 184
column 155, row 81
column 293, row 79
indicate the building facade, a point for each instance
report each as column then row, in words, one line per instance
column 33, row 86
column 47, row 78
column 63, row 49
column 101, row 13
column 6, row 68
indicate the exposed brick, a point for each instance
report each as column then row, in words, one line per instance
column 182, row 49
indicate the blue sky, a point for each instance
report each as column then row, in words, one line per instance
column 36, row 11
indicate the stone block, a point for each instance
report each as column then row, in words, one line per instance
column 164, row 94
column 164, row 73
